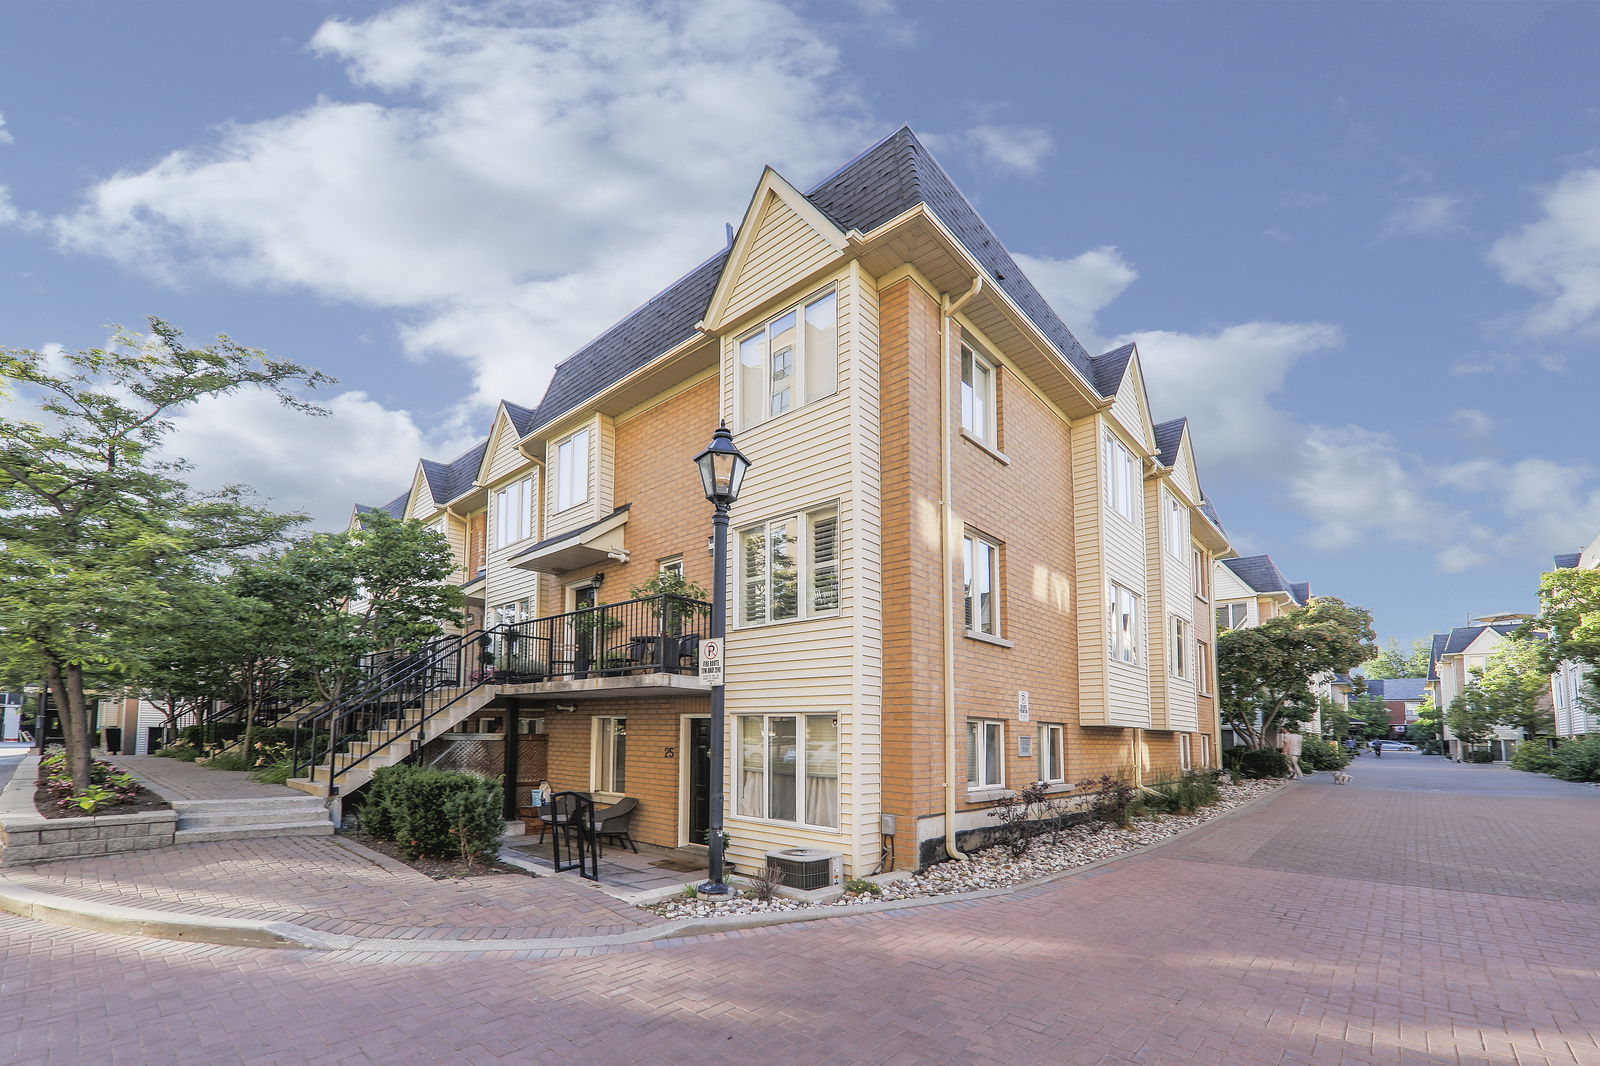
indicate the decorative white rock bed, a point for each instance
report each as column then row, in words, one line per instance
column 994, row 867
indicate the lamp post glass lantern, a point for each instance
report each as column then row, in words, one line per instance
column 722, row 468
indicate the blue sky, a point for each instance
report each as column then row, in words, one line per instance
column 1358, row 244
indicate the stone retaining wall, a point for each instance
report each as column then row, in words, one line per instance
column 27, row 837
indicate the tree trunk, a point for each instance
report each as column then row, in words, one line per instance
column 66, row 685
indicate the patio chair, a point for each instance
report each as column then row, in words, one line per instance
column 556, row 812
column 612, row 822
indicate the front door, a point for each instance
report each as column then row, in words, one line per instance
column 699, row 779
column 582, row 628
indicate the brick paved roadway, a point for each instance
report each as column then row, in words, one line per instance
column 1426, row 914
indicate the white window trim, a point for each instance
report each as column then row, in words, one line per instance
column 808, row 569
column 1113, row 620
column 969, row 542
column 1046, row 733
column 671, row 565
column 987, row 747
column 800, row 371
column 1123, row 481
column 1185, row 753
column 564, row 476
column 602, row 752
column 1178, row 654
column 1229, row 607
column 1177, row 529
column 985, row 395
column 801, row 726
column 1202, row 574
column 1202, row 667
column 523, row 525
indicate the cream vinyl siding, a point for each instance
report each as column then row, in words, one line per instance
column 1178, row 595
column 504, row 457
column 785, row 250
column 502, row 581
column 1125, row 547
column 823, row 454
column 455, row 531
column 1130, row 412
column 1089, row 521
column 601, row 475
column 1183, row 478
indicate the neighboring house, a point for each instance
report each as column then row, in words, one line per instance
column 138, row 721
column 10, row 715
column 1453, row 657
column 1571, row 696
column 1250, row 590
column 965, row 558
column 1401, row 697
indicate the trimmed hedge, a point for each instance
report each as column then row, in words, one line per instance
column 1534, row 757
column 1256, row 762
column 434, row 814
column 1578, row 760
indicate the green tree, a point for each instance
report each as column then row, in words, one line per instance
column 1470, row 718
column 1514, row 686
column 1391, row 662
column 1373, row 715
column 1569, row 602
column 1426, row 728
column 95, row 522
column 1266, row 673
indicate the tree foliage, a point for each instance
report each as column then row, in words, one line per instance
column 1266, row 673
column 1426, row 728
column 99, row 528
column 1470, row 718
column 1569, row 601
column 1514, row 686
column 1391, row 662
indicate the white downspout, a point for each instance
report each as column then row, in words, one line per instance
column 947, row 565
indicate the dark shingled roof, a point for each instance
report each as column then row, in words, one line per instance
column 1168, row 436
column 1439, row 641
column 1301, row 591
column 521, row 417
column 896, row 174
column 396, row 506
column 1211, row 513
column 447, row 481
column 1568, row 560
column 1259, row 572
column 1462, row 637
column 1398, row 688
column 1108, row 369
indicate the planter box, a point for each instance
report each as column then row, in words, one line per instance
column 27, row 837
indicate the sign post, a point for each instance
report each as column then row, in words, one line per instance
column 711, row 661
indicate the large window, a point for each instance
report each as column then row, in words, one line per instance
column 986, row 754
column 978, row 407
column 572, row 470
column 789, row 568
column 1123, row 607
column 981, row 584
column 1232, row 616
column 610, row 754
column 1177, row 522
column 1122, row 478
column 1178, row 655
column 513, row 513
column 1052, row 754
column 790, row 361
column 789, row 768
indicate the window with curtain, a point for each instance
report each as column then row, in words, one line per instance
column 789, row 768
column 789, row 568
column 1052, row 754
column 610, row 754
column 790, row 361
column 986, row 754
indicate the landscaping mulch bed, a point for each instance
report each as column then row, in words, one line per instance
column 438, row 869
column 146, row 802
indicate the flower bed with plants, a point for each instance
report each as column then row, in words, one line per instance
column 1034, row 840
column 111, row 791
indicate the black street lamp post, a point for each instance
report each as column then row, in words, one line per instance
column 722, row 468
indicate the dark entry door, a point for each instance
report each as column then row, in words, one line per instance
column 699, row 779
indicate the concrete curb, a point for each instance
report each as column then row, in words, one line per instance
column 240, row 932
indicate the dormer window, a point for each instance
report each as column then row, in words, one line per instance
column 790, row 361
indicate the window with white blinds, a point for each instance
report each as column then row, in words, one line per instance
column 789, row 568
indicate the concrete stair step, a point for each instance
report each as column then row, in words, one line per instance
column 275, row 816
column 288, row 829
column 288, row 799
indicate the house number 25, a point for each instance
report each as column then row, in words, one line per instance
column 669, row 752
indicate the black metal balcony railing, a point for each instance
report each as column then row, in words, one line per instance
column 653, row 634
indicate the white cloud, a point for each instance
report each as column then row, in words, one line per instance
column 360, row 452
column 513, row 205
column 1080, row 287
column 5, row 134
column 1542, row 505
column 1016, row 148
column 1422, row 216
column 1471, row 423
column 8, row 211
column 1558, row 256
column 1226, row 384
column 1355, row 484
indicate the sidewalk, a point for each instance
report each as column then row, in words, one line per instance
column 174, row 780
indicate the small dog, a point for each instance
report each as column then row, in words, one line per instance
column 1341, row 778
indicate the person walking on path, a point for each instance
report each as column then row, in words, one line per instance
column 1289, row 743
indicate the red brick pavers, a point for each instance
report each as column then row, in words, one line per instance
column 327, row 884
column 193, row 781
column 1301, row 931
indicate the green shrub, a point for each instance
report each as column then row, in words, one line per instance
column 1114, row 799
column 1259, row 762
column 1478, row 757
column 1195, row 789
column 233, row 760
column 1534, row 757
column 182, row 754
column 274, row 773
column 434, row 814
column 1578, row 760
column 1319, row 754
column 860, row 886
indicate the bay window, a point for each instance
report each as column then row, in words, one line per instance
column 789, row 568
column 1123, row 620
column 513, row 513
column 790, row 361
column 789, row 768
column 1122, row 477
column 572, row 470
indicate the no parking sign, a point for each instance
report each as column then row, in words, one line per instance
column 711, row 661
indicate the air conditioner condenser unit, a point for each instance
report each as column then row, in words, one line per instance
column 808, row 869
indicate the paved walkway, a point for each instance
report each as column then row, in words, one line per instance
column 1401, row 920
column 191, row 781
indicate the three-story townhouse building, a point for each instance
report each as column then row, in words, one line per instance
column 965, row 557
